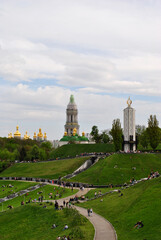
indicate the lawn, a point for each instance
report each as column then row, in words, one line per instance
column 50, row 170
column 139, row 203
column 16, row 187
column 99, row 192
column 72, row 150
column 120, row 168
column 34, row 222
column 48, row 192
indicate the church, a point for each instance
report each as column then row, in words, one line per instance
column 71, row 134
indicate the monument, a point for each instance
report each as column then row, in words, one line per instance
column 71, row 117
column 129, row 143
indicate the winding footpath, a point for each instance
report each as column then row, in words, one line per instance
column 103, row 229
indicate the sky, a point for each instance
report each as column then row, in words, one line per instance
column 102, row 52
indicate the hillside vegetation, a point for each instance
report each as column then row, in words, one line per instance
column 34, row 222
column 138, row 203
column 119, row 168
column 71, row 150
column 50, row 170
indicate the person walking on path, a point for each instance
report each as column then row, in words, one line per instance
column 88, row 211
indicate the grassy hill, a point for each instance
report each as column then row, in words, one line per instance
column 77, row 149
column 46, row 191
column 34, row 222
column 138, row 203
column 51, row 170
column 118, row 169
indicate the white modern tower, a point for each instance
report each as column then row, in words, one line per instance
column 129, row 128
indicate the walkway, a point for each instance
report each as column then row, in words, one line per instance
column 103, row 228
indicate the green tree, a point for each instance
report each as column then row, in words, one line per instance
column 95, row 134
column 34, row 153
column 144, row 139
column 139, row 129
column 116, row 133
column 105, row 137
column 153, row 131
column 22, row 154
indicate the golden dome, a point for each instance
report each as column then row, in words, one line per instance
column 10, row 135
column 45, row 135
column 83, row 134
column 17, row 133
column 75, row 130
column 34, row 137
column 40, row 135
column 26, row 136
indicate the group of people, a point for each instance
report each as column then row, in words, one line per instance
column 63, row 238
column 153, row 174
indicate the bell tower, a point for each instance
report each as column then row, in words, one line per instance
column 71, row 117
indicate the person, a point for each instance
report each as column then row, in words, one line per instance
column 88, row 211
column 91, row 211
column 66, row 227
column 53, row 226
column 64, row 203
column 58, row 238
column 95, row 194
column 138, row 225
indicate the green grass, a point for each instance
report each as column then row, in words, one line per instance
column 17, row 186
column 77, row 149
column 117, row 169
column 51, row 170
column 34, row 222
column 57, row 193
column 140, row 202
column 99, row 191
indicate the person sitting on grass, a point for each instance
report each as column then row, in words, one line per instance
column 138, row 225
column 65, row 227
column 54, row 226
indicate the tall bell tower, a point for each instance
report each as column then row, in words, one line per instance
column 71, row 117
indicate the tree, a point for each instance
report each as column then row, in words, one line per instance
column 95, row 134
column 153, row 131
column 139, row 129
column 144, row 138
column 116, row 133
column 34, row 153
column 105, row 137
column 22, row 154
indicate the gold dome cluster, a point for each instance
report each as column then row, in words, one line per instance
column 38, row 137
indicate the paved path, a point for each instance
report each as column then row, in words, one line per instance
column 103, row 229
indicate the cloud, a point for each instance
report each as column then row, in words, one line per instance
column 101, row 51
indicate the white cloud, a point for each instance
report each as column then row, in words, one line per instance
column 50, row 49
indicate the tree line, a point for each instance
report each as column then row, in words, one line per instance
column 146, row 136
column 24, row 150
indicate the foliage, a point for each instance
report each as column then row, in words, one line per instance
column 153, row 131
column 105, row 137
column 95, row 134
column 116, row 133
column 24, row 150
column 144, row 138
